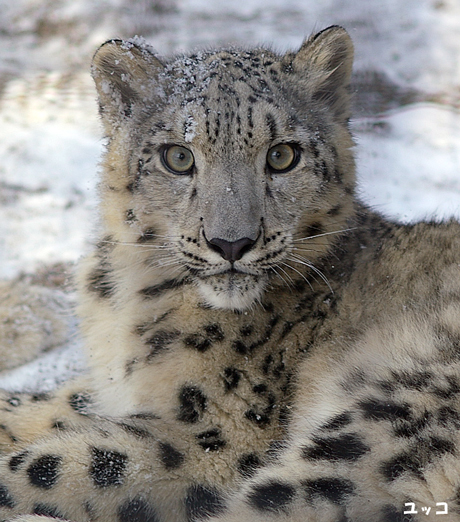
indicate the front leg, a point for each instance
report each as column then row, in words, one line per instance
column 109, row 472
column 24, row 417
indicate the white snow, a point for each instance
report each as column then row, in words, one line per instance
column 408, row 160
column 410, row 169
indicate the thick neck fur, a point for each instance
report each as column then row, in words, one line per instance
column 144, row 311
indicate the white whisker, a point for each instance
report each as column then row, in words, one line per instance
column 312, row 267
column 139, row 245
column 280, row 276
column 324, row 234
column 289, row 281
column 300, row 249
column 300, row 273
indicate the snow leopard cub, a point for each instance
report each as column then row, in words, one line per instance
column 261, row 345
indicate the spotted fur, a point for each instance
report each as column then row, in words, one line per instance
column 261, row 345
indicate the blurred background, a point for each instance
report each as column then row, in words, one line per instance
column 406, row 112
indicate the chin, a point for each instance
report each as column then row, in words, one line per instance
column 232, row 291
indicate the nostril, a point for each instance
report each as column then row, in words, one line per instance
column 231, row 250
column 244, row 247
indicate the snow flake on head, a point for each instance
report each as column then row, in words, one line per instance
column 188, row 77
column 140, row 43
column 190, row 126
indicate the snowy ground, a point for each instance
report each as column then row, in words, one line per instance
column 407, row 119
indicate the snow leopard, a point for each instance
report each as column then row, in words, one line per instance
column 261, row 345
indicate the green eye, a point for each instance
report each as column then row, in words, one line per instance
column 178, row 160
column 282, row 157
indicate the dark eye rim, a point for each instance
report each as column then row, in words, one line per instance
column 297, row 153
column 164, row 151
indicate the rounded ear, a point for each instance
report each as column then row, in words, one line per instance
column 126, row 76
column 327, row 60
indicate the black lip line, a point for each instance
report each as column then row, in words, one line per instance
column 229, row 271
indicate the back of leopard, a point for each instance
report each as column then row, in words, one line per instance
column 261, row 345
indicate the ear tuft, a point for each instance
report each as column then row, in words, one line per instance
column 327, row 59
column 125, row 74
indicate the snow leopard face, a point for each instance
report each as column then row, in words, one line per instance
column 237, row 164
